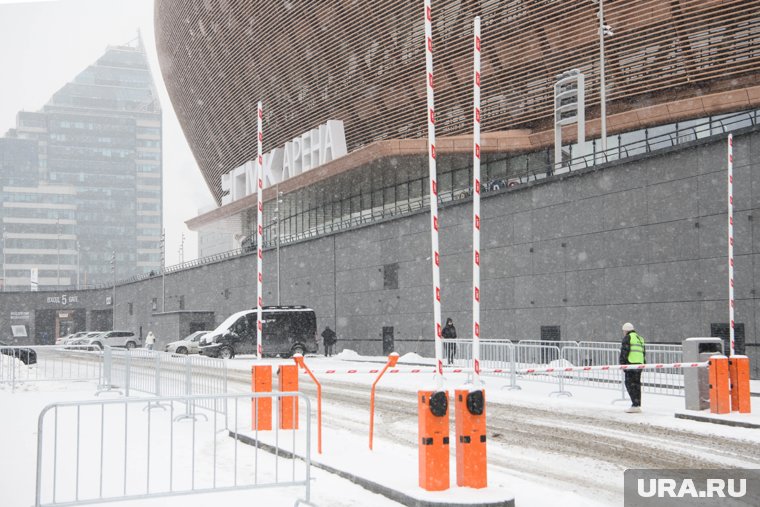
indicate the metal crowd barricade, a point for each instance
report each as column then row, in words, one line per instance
column 665, row 381
column 46, row 363
column 164, row 374
column 529, row 354
column 107, row 450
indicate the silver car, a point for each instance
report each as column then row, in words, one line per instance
column 187, row 345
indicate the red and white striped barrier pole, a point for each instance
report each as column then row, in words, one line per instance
column 476, row 204
column 731, row 302
column 525, row 371
column 607, row 367
column 433, row 194
column 260, row 229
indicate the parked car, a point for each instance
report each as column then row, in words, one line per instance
column 25, row 355
column 188, row 345
column 111, row 338
column 65, row 340
column 287, row 330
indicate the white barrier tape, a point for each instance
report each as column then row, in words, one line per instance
column 607, row 367
column 526, row 371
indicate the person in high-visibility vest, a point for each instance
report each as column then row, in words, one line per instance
column 633, row 351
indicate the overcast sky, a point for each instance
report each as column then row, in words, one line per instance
column 45, row 44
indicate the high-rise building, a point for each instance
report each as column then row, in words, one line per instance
column 92, row 184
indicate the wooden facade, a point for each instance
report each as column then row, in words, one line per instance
column 363, row 63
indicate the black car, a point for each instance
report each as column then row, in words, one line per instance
column 26, row 355
column 286, row 330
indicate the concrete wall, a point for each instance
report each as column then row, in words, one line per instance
column 641, row 241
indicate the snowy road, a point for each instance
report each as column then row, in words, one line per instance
column 556, row 444
column 580, row 445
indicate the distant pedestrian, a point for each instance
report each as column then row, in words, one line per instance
column 150, row 340
column 449, row 332
column 329, row 337
column 632, row 351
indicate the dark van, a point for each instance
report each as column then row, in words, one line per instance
column 287, row 330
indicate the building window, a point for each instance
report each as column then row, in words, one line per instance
column 721, row 330
column 154, row 304
column 182, row 302
column 390, row 276
column 131, row 309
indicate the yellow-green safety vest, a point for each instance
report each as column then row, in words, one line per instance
column 636, row 354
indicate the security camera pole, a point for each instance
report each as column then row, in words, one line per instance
column 603, row 30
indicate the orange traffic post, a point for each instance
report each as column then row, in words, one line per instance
column 738, row 372
column 392, row 360
column 287, row 376
column 433, row 419
column 298, row 358
column 720, row 402
column 261, row 382
column 470, row 413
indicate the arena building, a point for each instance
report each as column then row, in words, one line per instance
column 571, row 248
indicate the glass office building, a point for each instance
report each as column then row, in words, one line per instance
column 97, row 185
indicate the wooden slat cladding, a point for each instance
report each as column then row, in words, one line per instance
column 363, row 62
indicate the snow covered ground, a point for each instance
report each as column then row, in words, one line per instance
column 542, row 449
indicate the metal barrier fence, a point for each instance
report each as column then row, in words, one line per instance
column 46, row 363
column 509, row 357
column 107, row 450
column 164, row 374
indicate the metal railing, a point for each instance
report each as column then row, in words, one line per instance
column 508, row 357
column 47, row 363
column 106, row 450
column 165, row 374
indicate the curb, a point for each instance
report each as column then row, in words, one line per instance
column 726, row 422
column 390, row 493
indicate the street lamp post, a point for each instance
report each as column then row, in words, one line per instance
column 5, row 281
column 113, row 289
column 604, row 29
column 163, row 270
column 78, row 250
column 277, row 239
column 58, row 249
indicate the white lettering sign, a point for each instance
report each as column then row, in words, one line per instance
column 304, row 153
column 63, row 300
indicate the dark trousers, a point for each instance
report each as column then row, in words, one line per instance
column 633, row 386
column 451, row 351
column 328, row 349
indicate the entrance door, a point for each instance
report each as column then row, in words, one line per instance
column 388, row 345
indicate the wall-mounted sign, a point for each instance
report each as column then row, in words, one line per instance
column 63, row 299
column 305, row 152
column 108, row 300
column 19, row 315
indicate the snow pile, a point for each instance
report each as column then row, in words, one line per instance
column 412, row 357
column 347, row 354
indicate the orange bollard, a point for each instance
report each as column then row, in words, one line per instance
column 738, row 372
column 261, row 382
column 298, row 358
column 433, row 419
column 392, row 360
column 287, row 376
column 720, row 402
column 470, row 413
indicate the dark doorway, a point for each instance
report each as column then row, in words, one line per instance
column 388, row 345
column 721, row 330
column 550, row 334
